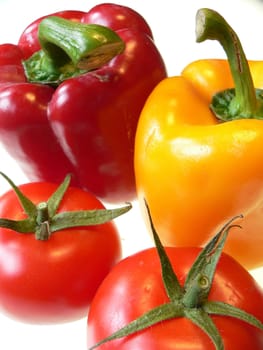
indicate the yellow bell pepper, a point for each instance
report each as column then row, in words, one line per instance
column 199, row 149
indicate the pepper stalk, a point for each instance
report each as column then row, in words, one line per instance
column 244, row 101
column 70, row 49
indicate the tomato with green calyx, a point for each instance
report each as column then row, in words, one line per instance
column 195, row 299
column 57, row 244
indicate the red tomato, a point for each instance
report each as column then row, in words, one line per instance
column 134, row 286
column 53, row 280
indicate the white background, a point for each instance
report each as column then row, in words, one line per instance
column 173, row 25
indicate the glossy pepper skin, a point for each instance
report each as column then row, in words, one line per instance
column 91, row 118
column 195, row 171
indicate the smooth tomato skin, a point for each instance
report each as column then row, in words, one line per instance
column 53, row 281
column 134, row 286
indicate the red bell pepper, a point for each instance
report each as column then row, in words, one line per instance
column 52, row 123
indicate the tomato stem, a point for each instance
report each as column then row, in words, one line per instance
column 43, row 218
column 191, row 300
column 43, row 231
column 194, row 296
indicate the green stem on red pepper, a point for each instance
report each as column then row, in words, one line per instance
column 191, row 299
column 43, row 219
column 69, row 49
column 244, row 101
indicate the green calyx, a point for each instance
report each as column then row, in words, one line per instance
column 191, row 299
column 244, row 101
column 43, row 219
column 70, row 49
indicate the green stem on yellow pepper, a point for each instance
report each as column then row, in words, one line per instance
column 244, row 101
column 69, row 49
